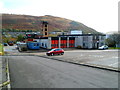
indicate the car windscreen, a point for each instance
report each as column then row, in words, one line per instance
column 52, row 49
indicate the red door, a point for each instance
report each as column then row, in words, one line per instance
column 54, row 43
column 71, row 43
column 63, row 42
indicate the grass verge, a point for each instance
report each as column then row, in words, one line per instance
column 1, row 50
column 114, row 47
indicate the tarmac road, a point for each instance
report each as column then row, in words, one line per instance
column 38, row 72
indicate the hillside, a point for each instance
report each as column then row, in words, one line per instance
column 27, row 22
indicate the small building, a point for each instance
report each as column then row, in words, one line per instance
column 59, row 33
column 75, row 32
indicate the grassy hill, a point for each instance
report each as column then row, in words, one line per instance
column 27, row 22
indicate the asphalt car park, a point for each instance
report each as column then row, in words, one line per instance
column 107, row 57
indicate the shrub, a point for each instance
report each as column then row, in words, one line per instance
column 79, row 47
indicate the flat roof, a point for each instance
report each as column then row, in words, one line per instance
column 83, row 35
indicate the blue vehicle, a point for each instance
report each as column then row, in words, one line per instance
column 33, row 45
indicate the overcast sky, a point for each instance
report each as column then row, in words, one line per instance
column 101, row 15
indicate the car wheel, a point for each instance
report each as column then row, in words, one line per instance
column 52, row 54
column 62, row 53
column 19, row 49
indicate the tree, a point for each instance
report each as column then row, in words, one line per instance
column 6, row 39
column 20, row 37
column 0, row 37
column 110, row 42
column 113, row 40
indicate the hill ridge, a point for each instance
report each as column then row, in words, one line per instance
column 29, row 22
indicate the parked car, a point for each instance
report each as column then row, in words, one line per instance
column 5, row 44
column 22, row 47
column 55, row 51
column 103, row 47
column 17, row 43
column 10, row 43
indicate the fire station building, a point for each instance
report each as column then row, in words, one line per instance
column 87, row 41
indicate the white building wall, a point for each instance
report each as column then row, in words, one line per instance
column 85, row 42
column 67, row 42
column 102, row 40
column 79, row 41
column 90, row 42
column 45, row 43
column 49, row 43
column 73, row 32
column 59, row 43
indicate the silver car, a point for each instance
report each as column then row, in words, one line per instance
column 103, row 47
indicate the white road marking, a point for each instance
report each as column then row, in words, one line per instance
column 113, row 64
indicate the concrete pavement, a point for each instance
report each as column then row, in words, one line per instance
column 0, row 71
column 4, row 73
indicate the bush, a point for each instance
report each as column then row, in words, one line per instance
column 79, row 47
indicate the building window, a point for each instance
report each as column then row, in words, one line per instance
column 85, row 38
column 95, row 37
column 45, row 29
column 102, row 37
column 45, row 25
column 45, row 33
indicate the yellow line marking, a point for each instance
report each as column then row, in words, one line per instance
column 5, row 84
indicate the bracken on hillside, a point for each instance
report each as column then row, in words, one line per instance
column 34, row 23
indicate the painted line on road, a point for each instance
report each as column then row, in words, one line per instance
column 8, row 75
column 5, row 83
column 113, row 64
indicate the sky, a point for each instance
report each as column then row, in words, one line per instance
column 101, row 15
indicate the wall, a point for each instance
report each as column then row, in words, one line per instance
column 79, row 41
column 102, row 40
column 90, row 42
column 45, row 43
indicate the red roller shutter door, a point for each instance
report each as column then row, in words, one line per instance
column 72, row 42
column 54, row 43
column 63, row 43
